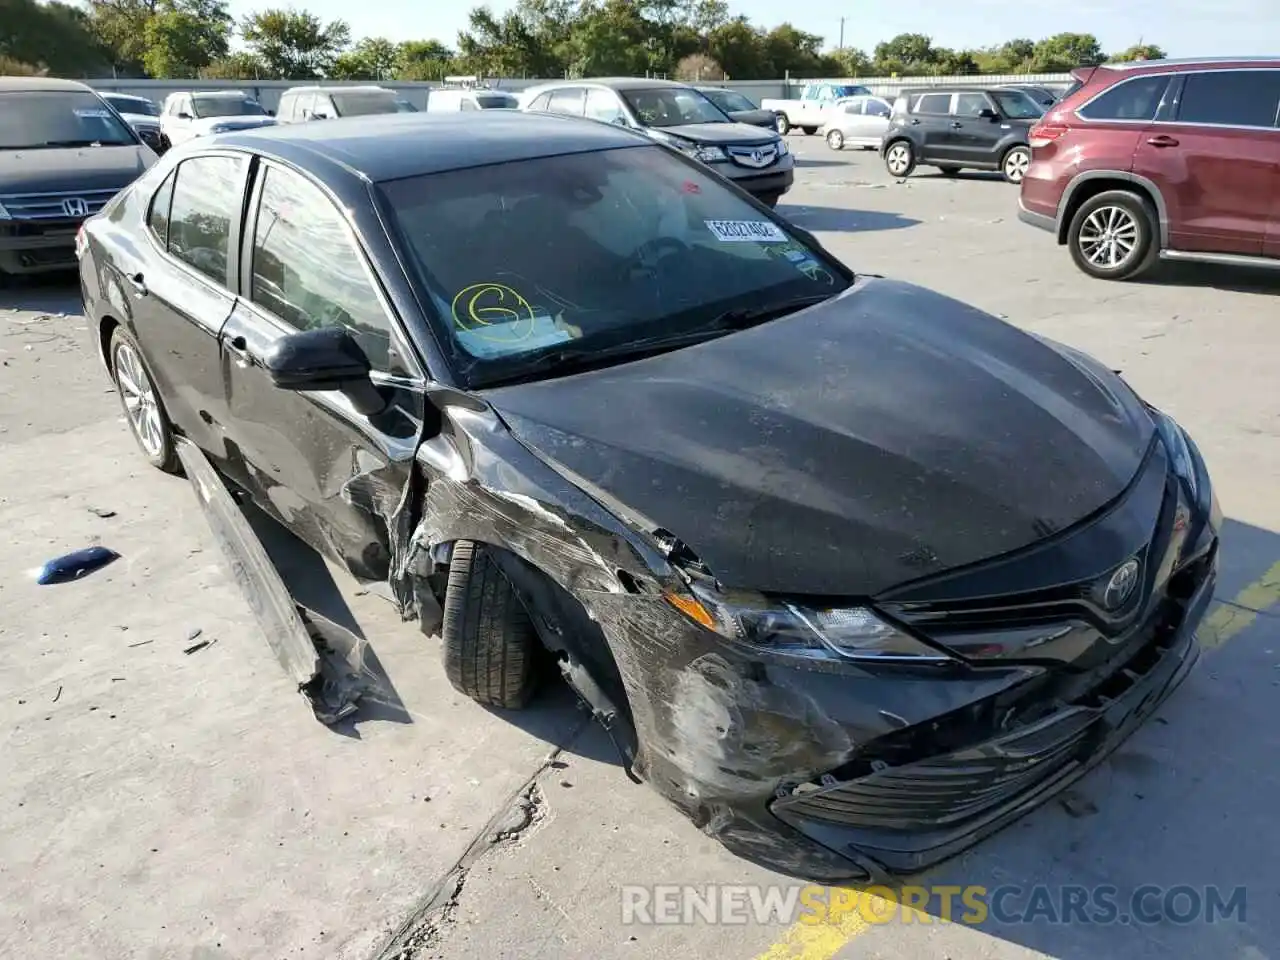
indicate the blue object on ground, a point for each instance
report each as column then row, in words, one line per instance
column 73, row 566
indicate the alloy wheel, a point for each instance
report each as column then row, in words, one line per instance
column 1016, row 164
column 835, row 140
column 1108, row 237
column 139, row 399
column 899, row 159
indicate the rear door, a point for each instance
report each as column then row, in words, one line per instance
column 181, row 288
column 1217, row 160
column 974, row 139
column 931, row 121
column 330, row 473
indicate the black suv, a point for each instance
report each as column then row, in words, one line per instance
column 957, row 128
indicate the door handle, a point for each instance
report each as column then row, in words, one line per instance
column 915, row 122
column 139, row 284
column 956, row 125
column 1162, row 141
column 238, row 347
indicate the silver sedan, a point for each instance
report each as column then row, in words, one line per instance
column 857, row 122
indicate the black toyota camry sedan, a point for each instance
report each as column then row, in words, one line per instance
column 853, row 573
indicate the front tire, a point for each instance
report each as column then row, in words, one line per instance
column 1015, row 163
column 835, row 139
column 490, row 645
column 782, row 124
column 143, row 409
column 1113, row 236
column 770, row 200
column 900, row 158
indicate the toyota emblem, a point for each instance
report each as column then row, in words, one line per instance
column 75, row 207
column 1121, row 585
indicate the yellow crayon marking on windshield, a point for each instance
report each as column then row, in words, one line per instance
column 489, row 305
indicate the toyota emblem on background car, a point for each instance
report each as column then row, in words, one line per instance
column 1121, row 585
column 75, row 207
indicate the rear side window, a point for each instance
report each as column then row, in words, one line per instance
column 1135, row 99
column 206, row 196
column 158, row 218
column 1237, row 98
column 541, row 103
column 568, row 101
column 934, row 103
column 468, row 104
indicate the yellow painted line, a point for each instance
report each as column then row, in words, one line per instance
column 822, row 941
column 1228, row 619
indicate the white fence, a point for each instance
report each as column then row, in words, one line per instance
column 268, row 92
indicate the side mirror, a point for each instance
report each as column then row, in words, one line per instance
column 620, row 121
column 325, row 359
column 183, row 115
column 271, row 113
column 986, row 113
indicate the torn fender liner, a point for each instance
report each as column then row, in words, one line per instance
column 332, row 692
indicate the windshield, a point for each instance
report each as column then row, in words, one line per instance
column 1018, row 104
column 227, row 107
column 729, row 100
column 607, row 251
column 364, row 103
column 496, row 101
column 136, row 105
column 672, row 106
column 59, row 118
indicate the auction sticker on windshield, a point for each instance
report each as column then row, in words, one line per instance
column 746, row 231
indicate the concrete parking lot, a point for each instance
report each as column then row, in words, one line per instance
column 158, row 804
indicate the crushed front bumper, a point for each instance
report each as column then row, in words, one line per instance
column 901, row 819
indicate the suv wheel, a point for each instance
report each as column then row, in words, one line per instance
column 1112, row 236
column 782, row 124
column 900, row 158
column 1016, row 161
column 835, row 139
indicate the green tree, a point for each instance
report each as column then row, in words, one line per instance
column 373, row 58
column 738, row 47
column 423, row 60
column 699, row 68
column 912, row 50
column 294, row 44
column 1140, row 51
column 504, row 46
column 613, row 38
column 49, row 36
column 121, row 28
column 185, row 36
column 851, row 62
column 1066, row 51
column 236, row 66
column 791, row 51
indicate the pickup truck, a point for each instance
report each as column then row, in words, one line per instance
column 808, row 113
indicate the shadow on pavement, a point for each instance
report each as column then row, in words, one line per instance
column 838, row 219
column 807, row 162
column 56, row 293
column 1167, row 848
column 1235, row 279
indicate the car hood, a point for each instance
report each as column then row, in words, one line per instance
column 79, row 168
column 886, row 434
column 719, row 133
column 206, row 124
column 755, row 118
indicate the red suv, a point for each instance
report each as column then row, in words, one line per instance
column 1161, row 160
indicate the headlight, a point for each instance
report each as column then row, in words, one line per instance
column 219, row 128
column 852, row 633
column 4, row 214
column 1175, row 442
column 707, row 154
column 781, row 147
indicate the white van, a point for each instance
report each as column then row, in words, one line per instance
column 453, row 100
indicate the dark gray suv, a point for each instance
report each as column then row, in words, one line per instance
column 961, row 128
column 63, row 154
column 682, row 117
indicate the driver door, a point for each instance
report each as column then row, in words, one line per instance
column 331, row 474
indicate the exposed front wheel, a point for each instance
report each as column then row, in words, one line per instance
column 490, row 646
column 1016, row 161
column 900, row 158
column 835, row 139
column 1112, row 236
column 782, row 124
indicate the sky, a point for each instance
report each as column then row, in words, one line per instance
column 1184, row 28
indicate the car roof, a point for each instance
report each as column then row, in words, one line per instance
column 1184, row 62
column 339, row 87
column 614, row 83
column 959, row 88
column 41, row 85
column 392, row 146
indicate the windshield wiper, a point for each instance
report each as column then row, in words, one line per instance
column 78, row 143
column 743, row 317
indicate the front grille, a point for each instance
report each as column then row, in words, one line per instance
column 72, row 205
column 754, row 158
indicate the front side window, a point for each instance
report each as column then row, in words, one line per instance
column 855, row 108
column 598, row 251
column 496, row 101
column 672, row 107
column 225, row 107
column 135, row 105
column 731, row 100
column 1135, row 99
column 878, row 108
column 467, row 104
column 207, row 194
column 309, row 273
column 364, row 103
column 541, row 103
column 1237, row 98
column 48, row 119
column 603, row 105
column 1017, row 104
column 971, row 104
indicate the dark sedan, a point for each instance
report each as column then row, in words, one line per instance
column 853, row 573
column 739, row 108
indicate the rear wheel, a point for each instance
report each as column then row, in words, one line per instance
column 949, row 171
column 1112, row 236
column 143, row 408
column 809, row 131
column 782, row 124
column 835, row 139
column 900, row 158
column 1015, row 163
column 490, row 646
